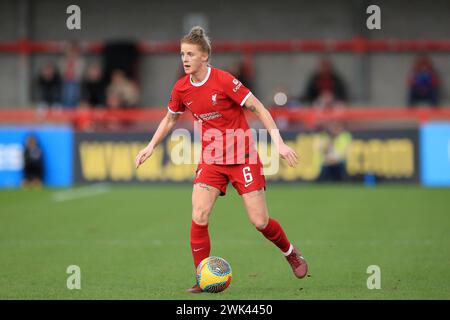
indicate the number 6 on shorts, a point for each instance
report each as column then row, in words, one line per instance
column 247, row 174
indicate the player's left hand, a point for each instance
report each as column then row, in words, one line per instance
column 143, row 155
column 288, row 154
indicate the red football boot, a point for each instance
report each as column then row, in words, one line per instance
column 298, row 263
column 195, row 289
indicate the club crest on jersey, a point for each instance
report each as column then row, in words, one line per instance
column 214, row 99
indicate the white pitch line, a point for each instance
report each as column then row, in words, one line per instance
column 82, row 192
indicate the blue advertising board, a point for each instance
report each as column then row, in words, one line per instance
column 435, row 154
column 56, row 143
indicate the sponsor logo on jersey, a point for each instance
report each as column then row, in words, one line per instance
column 210, row 115
column 238, row 85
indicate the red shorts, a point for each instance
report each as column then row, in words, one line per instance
column 244, row 177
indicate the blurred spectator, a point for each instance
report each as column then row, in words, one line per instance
column 72, row 67
column 334, row 146
column 327, row 100
column 423, row 83
column 93, row 87
column 114, row 100
column 325, row 89
column 33, row 160
column 49, row 86
column 121, row 92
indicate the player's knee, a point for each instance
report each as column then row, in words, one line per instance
column 260, row 223
column 200, row 215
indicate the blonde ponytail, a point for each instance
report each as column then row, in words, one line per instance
column 198, row 36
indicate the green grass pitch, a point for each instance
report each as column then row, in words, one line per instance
column 132, row 242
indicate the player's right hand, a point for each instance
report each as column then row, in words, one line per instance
column 143, row 155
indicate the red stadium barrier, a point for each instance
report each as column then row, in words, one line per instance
column 310, row 117
column 356, row 45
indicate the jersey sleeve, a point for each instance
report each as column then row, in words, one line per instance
column 235, row 89
column 175, row 104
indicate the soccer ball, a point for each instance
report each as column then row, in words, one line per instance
column 213, row 274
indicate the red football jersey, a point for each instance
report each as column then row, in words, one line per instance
column 216, row 103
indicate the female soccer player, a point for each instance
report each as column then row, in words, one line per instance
column 216, row 99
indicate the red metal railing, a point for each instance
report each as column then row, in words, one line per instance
column 79, row 118
column 356, row 45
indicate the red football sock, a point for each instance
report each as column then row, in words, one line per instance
column 200, row 245
column 275, row 233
